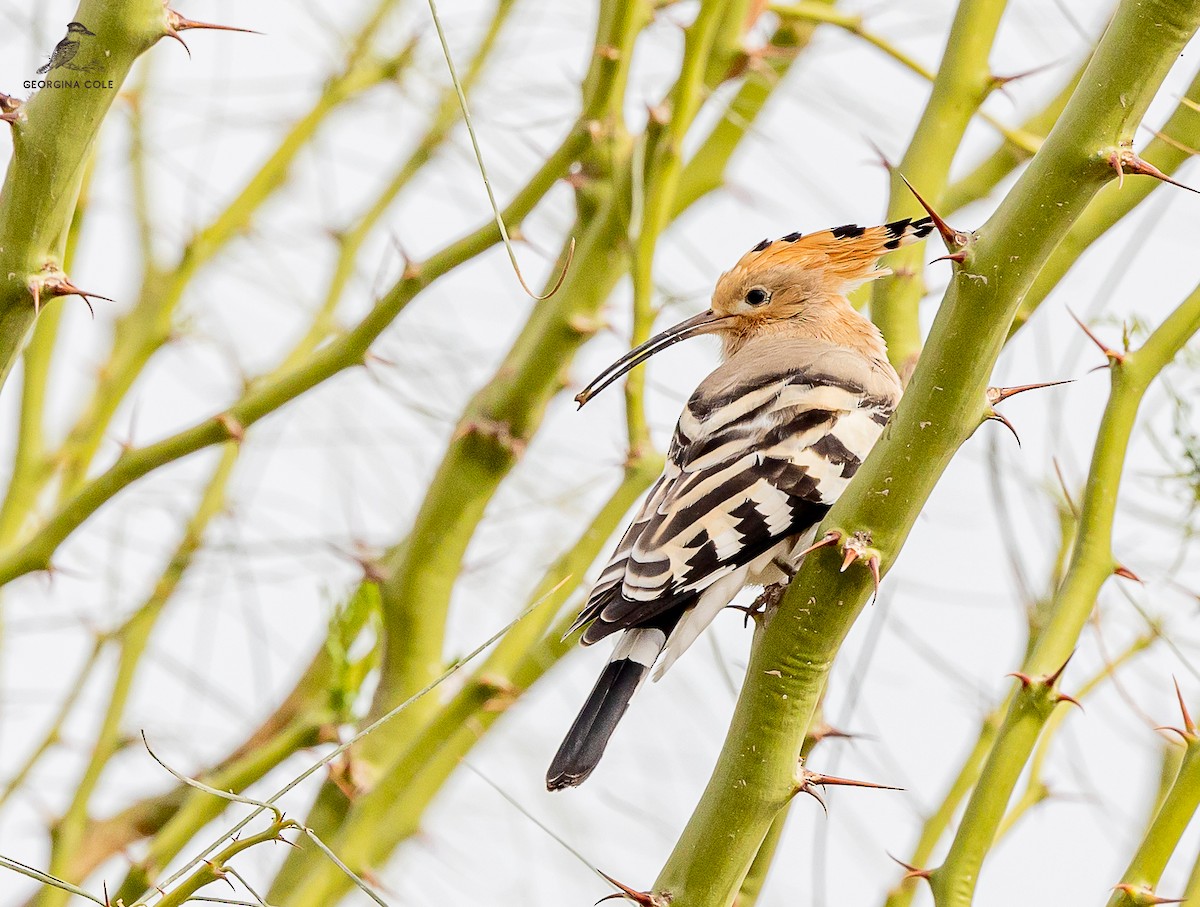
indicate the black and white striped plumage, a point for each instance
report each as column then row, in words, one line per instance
column 763, row 448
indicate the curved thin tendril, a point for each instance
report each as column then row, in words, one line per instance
column 487, row 183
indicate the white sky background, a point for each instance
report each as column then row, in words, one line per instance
column 348, row 462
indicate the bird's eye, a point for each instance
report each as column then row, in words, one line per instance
column 757, row 295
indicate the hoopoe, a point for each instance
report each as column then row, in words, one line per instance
column 763, row 448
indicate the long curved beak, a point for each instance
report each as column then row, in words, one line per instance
column 698, row 324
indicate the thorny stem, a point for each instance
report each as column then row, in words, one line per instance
column 132, row 640
column 345, row 352
column 52, row 142
column 1091, row 564
column 963, row 82
column 1162, row 838
column 148, row 325
column 942, row 407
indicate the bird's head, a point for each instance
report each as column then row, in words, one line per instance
column 794, row 286
column 78, row 28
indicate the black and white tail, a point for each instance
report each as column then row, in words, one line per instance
column 626, row 670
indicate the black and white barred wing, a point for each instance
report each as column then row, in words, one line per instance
column 759, row 455
column 757, row 458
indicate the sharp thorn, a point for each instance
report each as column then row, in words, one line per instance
column 171, row 33
column 1063, row 697
column 1128, row 161
column 997, row 394
column 954, row 239
column 830, row 538
column 178, row 23
column 1110, row 353
column 1001, row 81
column 823, row 780
column 624, row 891
column 1125, row 573
column 806, row 789
column 1052, row 679
column 883, row 159
column 960, row 256
column 873, row 564
column 1025, row 679
column 912, row 872
column 995, row 416
column 1187, row 738
column 851, row 556
column 828, row 732
column 1188, row 724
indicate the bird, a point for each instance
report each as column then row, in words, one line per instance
column 763, row 448
column 66, row 49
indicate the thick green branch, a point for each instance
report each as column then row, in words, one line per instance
column 1091, row 564
column 755, row 775
column 52, row 141
column 1173, row 817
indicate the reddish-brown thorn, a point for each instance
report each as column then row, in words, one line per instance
column 1188, row 723
column 1005, row 80
column 806, row 789
column 960, row 256
column 624, row 891
column 811, row 778
column 1025, row 679
column 1106, row 350
column 997, row 394
column 61, row 286
column 912, row 872
column 830, row 538
column 851, row 556
column 177, row 23
column 1143, row 895
column 995, row 416
column 1128, row 161
column 954, row 239
column 1063, row 697
column 873, row 565
column 1052, row 679
column 887, row 165
column 35, row 290
column 1125, row 573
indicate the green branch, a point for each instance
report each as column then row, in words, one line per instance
column 346, row 352
column 391, row 812
column 132, row 639
column 52, row 141
column 963, row 82
column 1170, row 822
column 1168, row 151
column 756, row 774
column 1091, row 564
column 148, row 325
